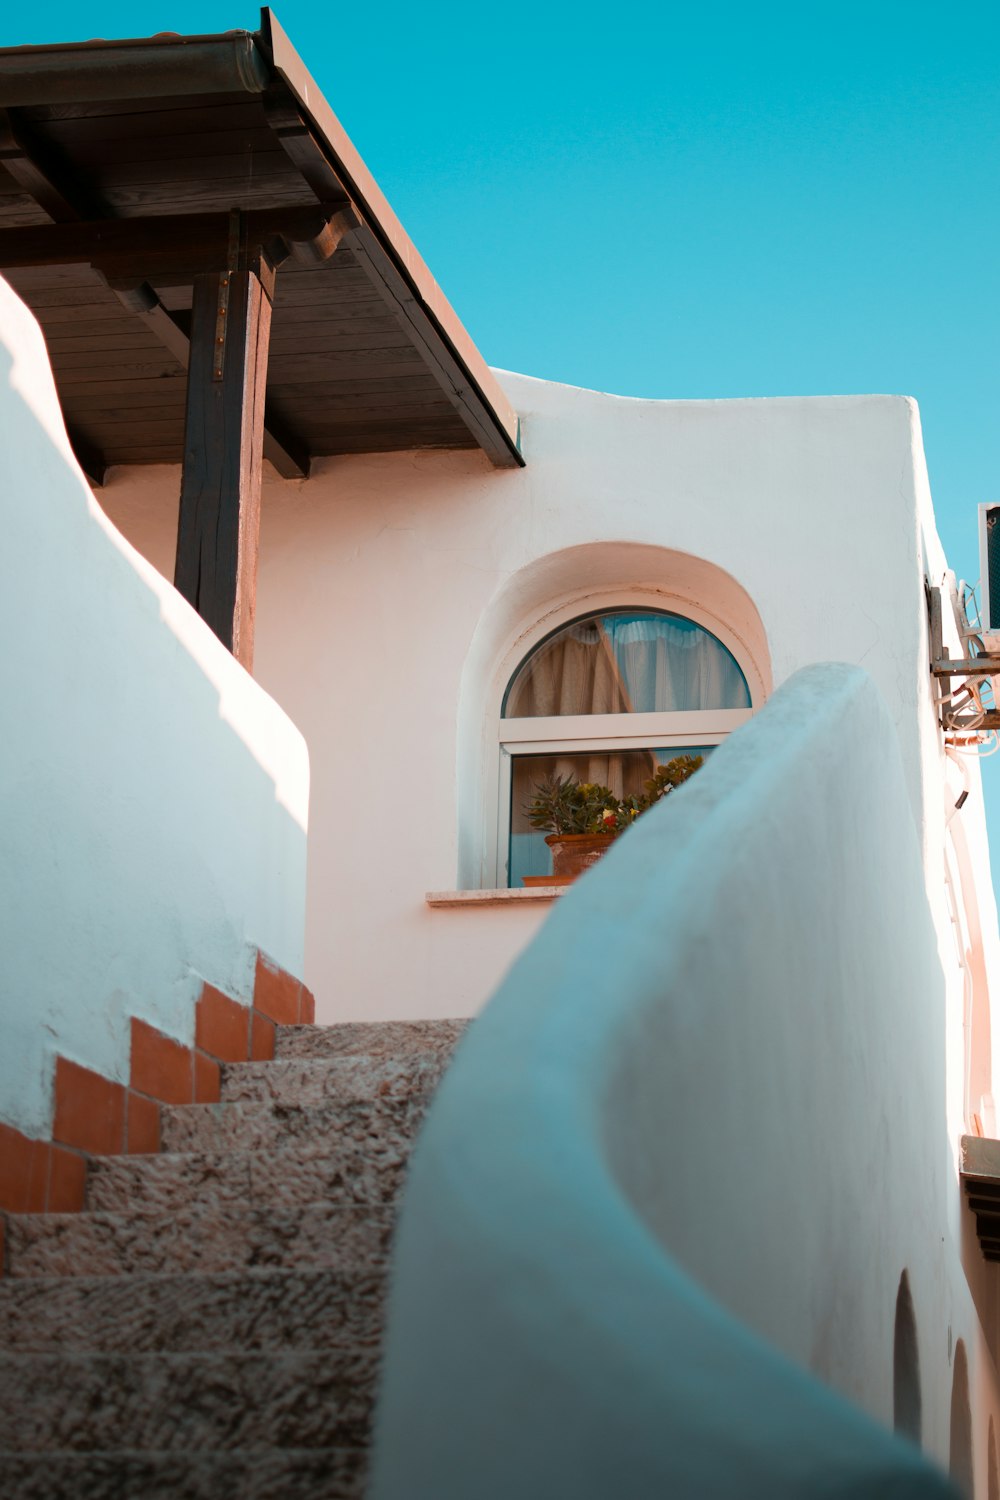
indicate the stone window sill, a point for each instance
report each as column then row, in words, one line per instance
column 494, row 897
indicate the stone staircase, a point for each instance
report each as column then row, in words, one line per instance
column 209, row 1328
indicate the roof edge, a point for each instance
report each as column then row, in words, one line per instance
column 369, row 197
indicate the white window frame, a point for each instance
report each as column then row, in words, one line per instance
column 599, row 732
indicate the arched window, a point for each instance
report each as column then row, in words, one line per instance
column 607, row 698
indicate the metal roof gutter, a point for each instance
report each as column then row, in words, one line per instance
column 88, row 72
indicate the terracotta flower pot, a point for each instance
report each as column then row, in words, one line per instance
column 572, row 853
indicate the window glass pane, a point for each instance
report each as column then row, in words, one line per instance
column 624, row 771
column 626, row 662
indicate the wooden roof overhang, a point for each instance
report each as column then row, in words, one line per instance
column 123, row 166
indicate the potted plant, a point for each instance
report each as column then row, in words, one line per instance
column 583, row 818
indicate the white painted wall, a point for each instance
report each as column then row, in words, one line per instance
column 153, row 798
column 686, row 1152
column 397, row 592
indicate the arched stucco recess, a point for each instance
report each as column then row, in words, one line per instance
column 536, row 598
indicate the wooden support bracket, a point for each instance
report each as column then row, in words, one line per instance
column 91, row 461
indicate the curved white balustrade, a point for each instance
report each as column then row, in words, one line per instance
column 686, row 1151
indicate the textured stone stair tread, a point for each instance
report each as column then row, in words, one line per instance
column 226, row 1290
column 311, row 1080
column 356, row 1168
column 78, row 1402
column 269, row 1126
column 188, row 1313
column 237, row 1474
column 373, row 1038
column 99, row 1244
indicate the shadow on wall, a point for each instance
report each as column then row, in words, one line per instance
column 153, row 798
column 633, row 1208
column 906, row 1400
column 960, row 1445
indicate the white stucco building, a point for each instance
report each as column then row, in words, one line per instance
column 773, row 1003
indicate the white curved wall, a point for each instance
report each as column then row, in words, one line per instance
column 153, row 798
column 704, row 1115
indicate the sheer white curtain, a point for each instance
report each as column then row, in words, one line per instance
column 673, row 664
column 621, row 663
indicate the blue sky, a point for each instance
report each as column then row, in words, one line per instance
column 679, row 201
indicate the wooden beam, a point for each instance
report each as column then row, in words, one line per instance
column 59, row 193
column 219, row 526
column 90, row 459
column 283, row 448
column 36, row 169
column 302, row 146
column 173, row 245
column 139, row 298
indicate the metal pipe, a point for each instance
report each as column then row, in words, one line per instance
column 94, row 71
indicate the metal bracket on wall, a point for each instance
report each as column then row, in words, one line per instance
column 961, row 708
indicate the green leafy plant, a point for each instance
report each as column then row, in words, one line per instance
column 562, row 804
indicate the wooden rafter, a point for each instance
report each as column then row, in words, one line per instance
column 39, row 173
column 234, row 121
column 59, row 193
column 303, row 147
column 172, row 247
column 282, row 447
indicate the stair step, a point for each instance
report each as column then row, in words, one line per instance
column 372, row 1038
column 210, row 1326
column 209, row 1238
column 360, row 1169
column 78, row 1402
column 238, row 1474
column 313, row 1080
column 142, row 1314
column 271, row 1126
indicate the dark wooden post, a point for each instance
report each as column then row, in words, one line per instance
column 219, row 527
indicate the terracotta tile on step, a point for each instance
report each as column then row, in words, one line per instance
column 261, row 1037
column 90, row 1110
column 276, row 992
column 207, row 1079
column 161, row 1067
column 222, row 1026
column 307, row 1008
column 67, row 1181
column 24, row 1171
column 142, row 1125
